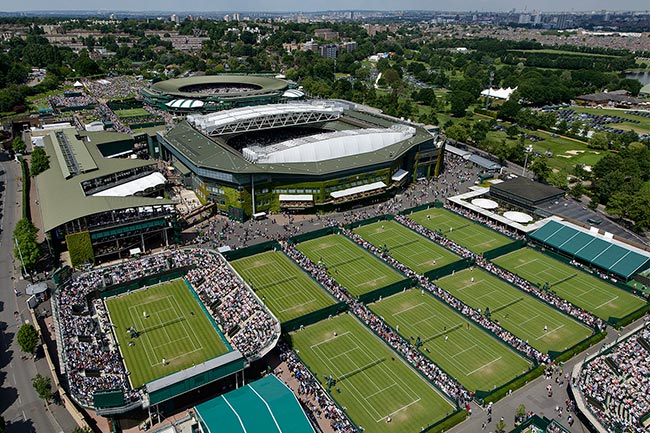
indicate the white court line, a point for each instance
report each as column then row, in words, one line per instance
column 424, row 320
column 378, row 392
column 343, row 353
column 473, row 284
column 465, row 350
column 408, row 309
column 328, row 339
column 483, row 366
column 400, row 409
column 549, row 332
column 529, row 319
column 607, row 302
column 526, row 263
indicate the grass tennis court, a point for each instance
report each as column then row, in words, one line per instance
column 286, row 289
column 372, row 382
column 545, row 328
column 586, row 291
column 472, row 236
column 175, row 329
column 406, row 246
column 349, row 264
column 476, row 359
column 131, row 112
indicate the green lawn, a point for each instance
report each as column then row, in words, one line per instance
column 475, row 237
column 524, row 316
column 131, row 112
column 286, row 289
column 372, row 382
column 406, row 246
column 471, row 355
column 584, row 290
column 175, row 329
column 349, row 264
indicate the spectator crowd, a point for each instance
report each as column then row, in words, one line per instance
column 90, row 355
column 616, row 384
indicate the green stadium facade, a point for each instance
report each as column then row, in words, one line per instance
column 308, row 156
column 100, row 206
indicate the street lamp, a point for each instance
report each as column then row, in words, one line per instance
column 528, row 150
column 20, row 253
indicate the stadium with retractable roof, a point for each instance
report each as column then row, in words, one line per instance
column 301, row 155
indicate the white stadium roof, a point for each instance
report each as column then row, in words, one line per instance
column 358, row 189
column 131, row 188
column 185, row 103
column 265, row 116
column 331, row 145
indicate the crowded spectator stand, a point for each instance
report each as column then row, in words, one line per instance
column 88, row 349
column 614, row 386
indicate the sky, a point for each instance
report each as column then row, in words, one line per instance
column 319, row 5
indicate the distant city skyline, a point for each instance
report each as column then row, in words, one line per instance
column 302, row 6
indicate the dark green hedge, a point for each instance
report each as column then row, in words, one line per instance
column 80, row 248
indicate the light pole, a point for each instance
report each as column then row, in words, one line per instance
column 528, row 150
column 20, row 253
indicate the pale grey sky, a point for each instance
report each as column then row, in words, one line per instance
column 302, row 5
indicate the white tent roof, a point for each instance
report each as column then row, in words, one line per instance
column 358, row 189
column 500, row 93
column 135, row 186
column 185, row 103
column 78, row 84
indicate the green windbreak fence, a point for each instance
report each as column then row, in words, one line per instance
column 496, row 394
column 386, row 291
column 436, row 204
column 108, row 399
column 504, row 249
column 313, row 317
column 356, row 224
column 313, row 235
column 577, row 348
column 448, row 269
column 142, row 282
column 196, row 381
column 251, row 251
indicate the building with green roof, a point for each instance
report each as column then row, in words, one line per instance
column 264, row 406
column 314, row 155
column 91, row 197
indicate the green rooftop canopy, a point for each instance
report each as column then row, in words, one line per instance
column 264, row 406
column 602, row 251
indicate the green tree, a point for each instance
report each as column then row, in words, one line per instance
column 39, row 162
column 500, row 427
column 85, row 429
column 19, row 145
column 619, row 205
column 43, row 387
column 512, row 131
column 599, row 140
column 460, row 101
column 27, row 338
column 541, row 168
column 27, row 248
column 457, row 132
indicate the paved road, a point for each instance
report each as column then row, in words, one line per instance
column 19, row 405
